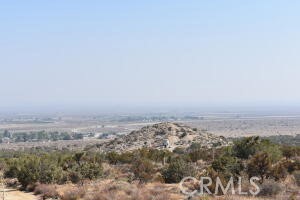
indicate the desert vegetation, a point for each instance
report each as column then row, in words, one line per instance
column 45, row 172
column 38, row 136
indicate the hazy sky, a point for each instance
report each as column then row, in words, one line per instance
column 60, row 52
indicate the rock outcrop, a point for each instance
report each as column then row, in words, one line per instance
column 164, row 136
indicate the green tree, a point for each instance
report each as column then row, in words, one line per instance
column 112, row 157
column 249, row 146
column 273, row 150
column 177, row 170
column 278, row 171
column 143, row 169
column 245, row 147
column 228, row 165
column 259, row 165
column 290, row 151
column 29, row 170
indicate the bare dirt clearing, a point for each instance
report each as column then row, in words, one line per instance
column 13, row 194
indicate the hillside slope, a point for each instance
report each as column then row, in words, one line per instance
column 164, row 136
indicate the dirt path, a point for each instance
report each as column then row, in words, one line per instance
column 12, row 194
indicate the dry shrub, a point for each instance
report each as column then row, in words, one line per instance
column 143, row 170
column 158, row 178
column 46, row 191
column 124, row 191
column 29, row 187
column 270, row 188
column 142, row 192
column 237, row 197
column 279, row 172
column 108, row 191
column 297, row 177
column 73, row 194
column 12, row 182
column 109, row 171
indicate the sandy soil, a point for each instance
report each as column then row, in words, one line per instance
column 12, row 194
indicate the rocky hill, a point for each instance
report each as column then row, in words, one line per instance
column 164, row 136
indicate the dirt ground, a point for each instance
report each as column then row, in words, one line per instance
column 12, row 194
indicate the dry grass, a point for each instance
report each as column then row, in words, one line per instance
column 46, row 191
column 297, row 177
column 74, row 194
column 127, row 192
column 71, row 191
column 270, row 188
column 111, row 172
column 236, row 197
column 112, row 189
